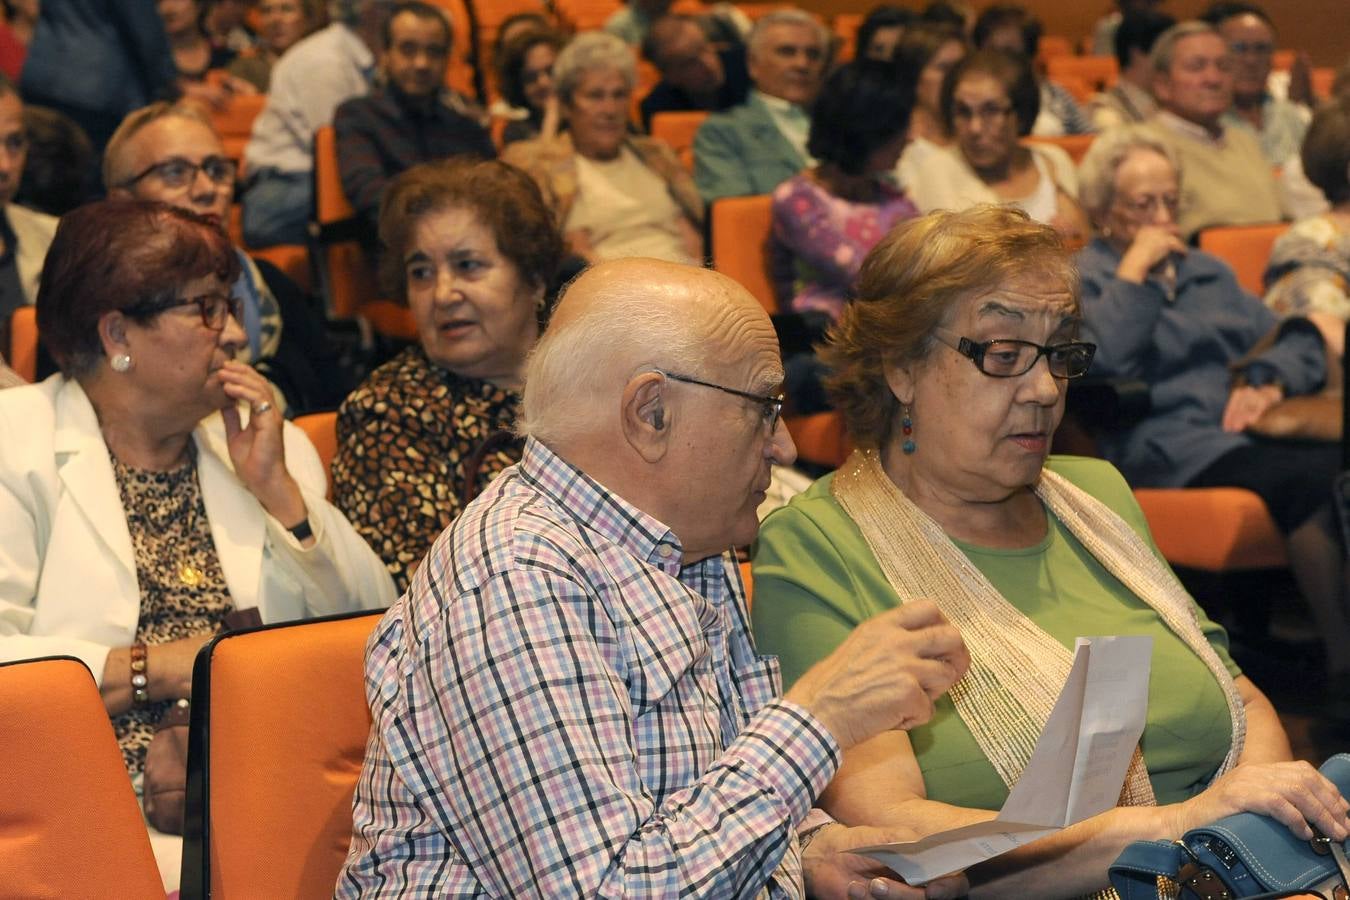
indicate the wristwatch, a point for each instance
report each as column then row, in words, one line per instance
column 140, row 681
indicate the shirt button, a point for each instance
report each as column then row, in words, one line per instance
column 664, row 551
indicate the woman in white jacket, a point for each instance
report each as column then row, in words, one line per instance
column 152, row 487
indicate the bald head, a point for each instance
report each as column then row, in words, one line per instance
column 620, row 317
column 659, row 380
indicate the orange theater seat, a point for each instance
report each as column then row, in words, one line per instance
column 1213, row 529
column 1053, row 46
column 678, row 129
column 321, row 429
column 1098, row 71
column 1246, row 248
column 69, row 822
column 23, row 342
column 234, row 122
column 820, row 438
column 749, row 585
column 740, row 236
column 279, row 723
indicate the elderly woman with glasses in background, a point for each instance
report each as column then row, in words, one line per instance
column 156, row 488
column 951, row 367
column 1215, row 360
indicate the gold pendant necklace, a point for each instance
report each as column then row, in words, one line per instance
column 190, row 575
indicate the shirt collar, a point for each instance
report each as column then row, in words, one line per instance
column 599, row 510
column 1186, row 127
column 779, row 105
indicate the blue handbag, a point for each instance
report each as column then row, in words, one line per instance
column 1246, row 855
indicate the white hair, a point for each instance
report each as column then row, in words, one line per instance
column 588, row 52
column 1097, row 171
column 1165, row 47
column 787, row 16
column 577, row 370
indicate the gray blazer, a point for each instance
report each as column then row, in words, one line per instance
column 741, row 152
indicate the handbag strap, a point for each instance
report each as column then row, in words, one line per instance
column 1135, row 872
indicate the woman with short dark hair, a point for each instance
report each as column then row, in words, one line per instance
column 156, row 487
column 827, row 218
column 989, row 101
column 473, row 250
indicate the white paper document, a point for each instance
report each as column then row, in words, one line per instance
column 1076, row 770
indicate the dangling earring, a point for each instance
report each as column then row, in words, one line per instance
column 120, row 363
column 907, row 429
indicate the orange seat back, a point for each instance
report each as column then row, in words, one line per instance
column 1076, row 145
column 749, row 583
column 820, row 438
column 845, row 28
column 1323, row 77
column 234, row 122
column 346, row 277
column 1053, row 46
column 1098, row 71
column 69, row 822
column 23, row 342
column 741, row 227
column 1213, row 529
column 678, row 128
column 321, row 429
column 280, row 723
column 1246, row 248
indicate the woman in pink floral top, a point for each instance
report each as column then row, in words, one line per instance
column 826, row 219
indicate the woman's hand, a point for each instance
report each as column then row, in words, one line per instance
column 548, row 128
column 831, row 872
column 1152, row 245
column 1293, row 793
column 169, row 666
column 1247, row 403
column 258, row 451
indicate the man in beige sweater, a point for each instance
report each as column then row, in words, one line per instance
column 1225, row 178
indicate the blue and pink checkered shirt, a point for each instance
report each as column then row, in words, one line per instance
column 562, row 709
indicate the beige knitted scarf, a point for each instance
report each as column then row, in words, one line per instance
column 1017, row 670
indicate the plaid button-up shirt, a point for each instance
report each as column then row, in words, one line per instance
column 562, row 709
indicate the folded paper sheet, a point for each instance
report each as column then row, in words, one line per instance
column 1076, row 770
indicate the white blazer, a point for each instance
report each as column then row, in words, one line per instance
column 67, row 571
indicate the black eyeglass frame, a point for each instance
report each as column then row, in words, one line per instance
column 976, row 353
column 229, row 165
column 769, row 403
column 223, row 300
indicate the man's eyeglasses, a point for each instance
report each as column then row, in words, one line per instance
column 1009, row 358
column 216, row 308
column 180, row 173
column 771, row 408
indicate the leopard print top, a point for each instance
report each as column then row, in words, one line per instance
column 166, row 516
column 405, row 437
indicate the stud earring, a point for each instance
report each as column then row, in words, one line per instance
column 121, row 363
column 907, row 429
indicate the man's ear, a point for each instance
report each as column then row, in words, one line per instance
column 646, row 418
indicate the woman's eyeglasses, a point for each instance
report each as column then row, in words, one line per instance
column 216, row 308
column 1009, row 358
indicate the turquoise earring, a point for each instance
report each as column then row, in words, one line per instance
column 907, row 429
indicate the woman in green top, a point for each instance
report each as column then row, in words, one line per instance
column 940, row 377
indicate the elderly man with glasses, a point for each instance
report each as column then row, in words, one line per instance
column 567, row 700
column 171, row 153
